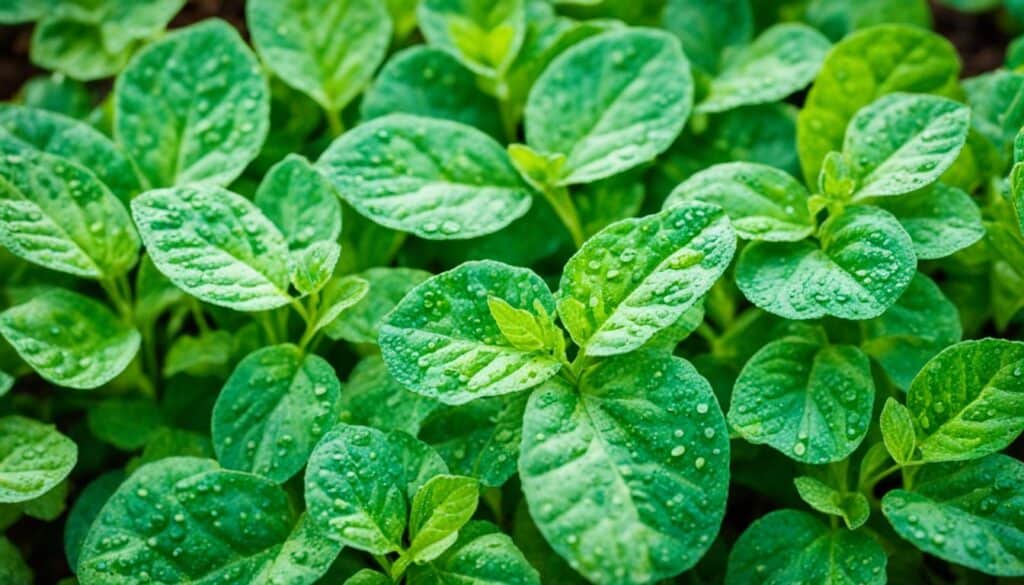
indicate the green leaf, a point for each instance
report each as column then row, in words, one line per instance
column 480, row 439
column 997, row 107
column 441, row 341
column 940, row 220
column 20, row 11
column 75, row 141
column 419, row 461
column 215, row 245
column 639, row 449
column 897, row 426
column 313, row 267
column 84, row 511
column 864, row 262
column 966, row 402
column 863, row 66
column 361, row 323
column 324, row 48
column 69, row 339
column 57, row 214
column 355, row 489
column 184, row 520
column 762, row 202
column 154, row 293
column 272, row 411
column 838, row 18
column 903, row 142
column 526, row 330
column 34, row 458
column 607, row 201
column 781, row 61
column 439, row 510
column 49, row 506
column 368, row 577
column 75, row 49
column 167, row 442
column 610, row 103
column 426, row 81
column 809, row 400
column 300, row 202
column 853, row 507
column 967, row 513
column 6, row 382
column 433, row 178
column 482, row 554
column 126, row 423
column 192, row 107
column 787, row 546
column 205, row 355
column 707, row 30
column 638, row 276
column 13, row 569
column 484, row 34
column 305, row 557
column 338, row 296
column 918, row 326
column 373, row 398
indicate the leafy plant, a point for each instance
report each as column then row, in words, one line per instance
column 510, row 292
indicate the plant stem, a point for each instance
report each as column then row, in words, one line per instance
column 268, row 327
column 558, row 198
column 198, row 316
column 310, row 317
column 334, row 123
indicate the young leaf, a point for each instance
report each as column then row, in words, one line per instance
column 439, row 510
column 57, row 214
column 433, row 178
column 762, row 202
column 34, row 458
column 863, row 66
column 811, row 401
column 205, row 355
column 787, row 546
column 940, row 220
column 338, row 296
column 361, row 323
column 368, row 577
column 919, row 325
column 300, row 202
column 610, row 103
column 313, row 266
column 442, row 342
column 484, row 34
column 638, row 276
column 482, row 554
column 782, row 60
column 325, row 48
column 526, row 330
column 183, row 519
column 897, row 426
column 966, row 402
column 373, row 398
column 192, row 107
column 430, row 82
column 215, row 245
column 863, row 264
column 639, row 449
column 904, row 142
column 272, row 411
column 70, row 339
column 967, row 513
column 355, row 489
column 853, row 507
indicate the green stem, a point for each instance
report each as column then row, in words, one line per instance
column 268, row 327
column 198, row 316
column 334, row 123
column 310, row 316
column 558, row 198
column 149, row 350
column 383, row 562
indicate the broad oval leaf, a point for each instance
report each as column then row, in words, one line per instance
column 57, row 214
column 373, row 398
column 273, row 410
column 997, row 107
column 863, row 66
column 482, row 554
column 70, row 339
column 442, row 342
column 34, row 458
column 433, row 178
column 338, row 296
column 328, row 49
column 215, row 245
column 83, row 512
column 762, row 202
column 192, row 107
column 126, row 423
column 484, row 34
column 864, row 262
column 75, row 49
column 304, row 558
column 967, row 513
column 811, row 401
column 707, row 30
column 185, row 520
column 361, row 323
column 639, row 449
column 610, row 103
column 781, row 60
column 300, row 202
column 967, row 401
column 356, row 489
column 440, row 508
column 940, row 220
column 638, row 276
column 904, row 142
column 426, row 81
column 76, row 141
column 789, row 546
